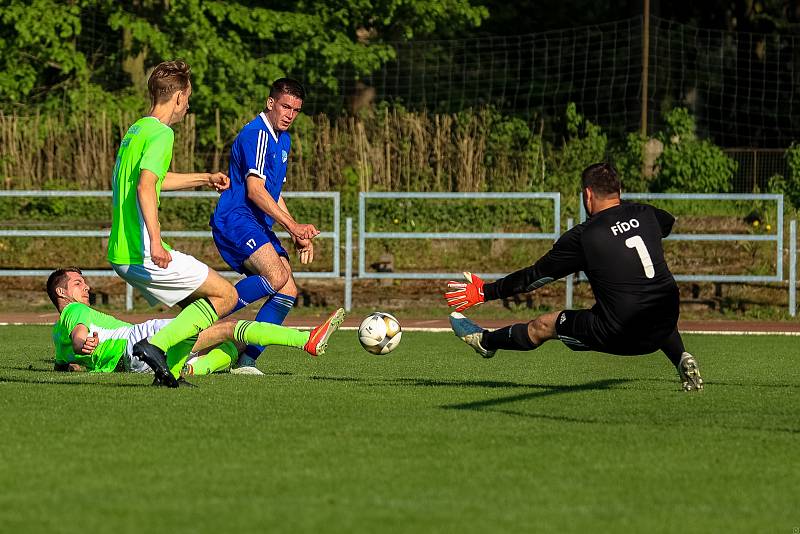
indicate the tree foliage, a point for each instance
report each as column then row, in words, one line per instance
column 38, row 53
column 53, row 52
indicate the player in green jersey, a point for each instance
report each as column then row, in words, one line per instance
column 135, row 248
column 85, row 338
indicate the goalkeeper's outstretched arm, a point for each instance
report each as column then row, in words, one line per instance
column 566, row 257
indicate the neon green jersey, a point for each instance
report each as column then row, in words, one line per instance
column 111, row 332
column 146, row 145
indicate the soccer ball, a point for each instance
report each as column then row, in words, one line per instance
column 379, row 333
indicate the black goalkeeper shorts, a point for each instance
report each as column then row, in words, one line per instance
column 586, row 330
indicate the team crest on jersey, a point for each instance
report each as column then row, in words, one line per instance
column 284, row 156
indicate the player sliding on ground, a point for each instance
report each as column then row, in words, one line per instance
column 619, row 248
column 86, row 339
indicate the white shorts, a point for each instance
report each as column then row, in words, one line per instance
column 181, row 278
column 139, row 332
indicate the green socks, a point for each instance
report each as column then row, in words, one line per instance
column 194, row 318
column 178, row 354
column 256, row 333
column 217, row 359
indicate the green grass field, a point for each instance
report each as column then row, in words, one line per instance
column 429, row 439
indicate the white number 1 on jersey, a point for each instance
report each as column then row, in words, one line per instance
column 641, row 249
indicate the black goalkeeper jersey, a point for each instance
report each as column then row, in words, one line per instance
column 620, row 251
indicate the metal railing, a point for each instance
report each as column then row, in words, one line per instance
column 793, row 267
column 364, row 234
column 777, row 237
column 335, row 234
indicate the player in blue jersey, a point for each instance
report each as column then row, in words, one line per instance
column 242, row 221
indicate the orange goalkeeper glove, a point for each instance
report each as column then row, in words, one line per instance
column 465, row 295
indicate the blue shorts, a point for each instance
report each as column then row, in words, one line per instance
column 242, row 238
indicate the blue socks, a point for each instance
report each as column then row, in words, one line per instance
column 251, row 289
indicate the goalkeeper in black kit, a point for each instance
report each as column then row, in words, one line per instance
column 619, row 248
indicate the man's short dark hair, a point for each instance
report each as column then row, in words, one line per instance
column 58, row 278
column 168, row 78
column 602, row 179
column 287, row 86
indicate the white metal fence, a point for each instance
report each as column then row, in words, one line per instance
column 334, row 233
column 363, row 222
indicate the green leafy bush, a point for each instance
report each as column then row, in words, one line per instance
column 584, row 144
column 628, row 159
column 790, row 186
column 513, row 156
column 689, row 164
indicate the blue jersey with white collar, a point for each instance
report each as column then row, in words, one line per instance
column 260, row 151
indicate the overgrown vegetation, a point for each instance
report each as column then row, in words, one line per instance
column 689, row 164
column 384, row 149
column 790, row 186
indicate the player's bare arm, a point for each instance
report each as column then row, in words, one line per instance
column 90, row 344
column 259, row 196
column 304, row 247
column 82, row 342
column 175, row 181
column 148, row 203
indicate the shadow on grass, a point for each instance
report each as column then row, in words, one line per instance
column 491, row 384
column 543, row 391
column 499, row 405
column 605, row 422
column 59, row 382
column 495, row 406
column 714, row 383
column 336, row 378
column 30, row 369
column 502, row 384
column 617, row 383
